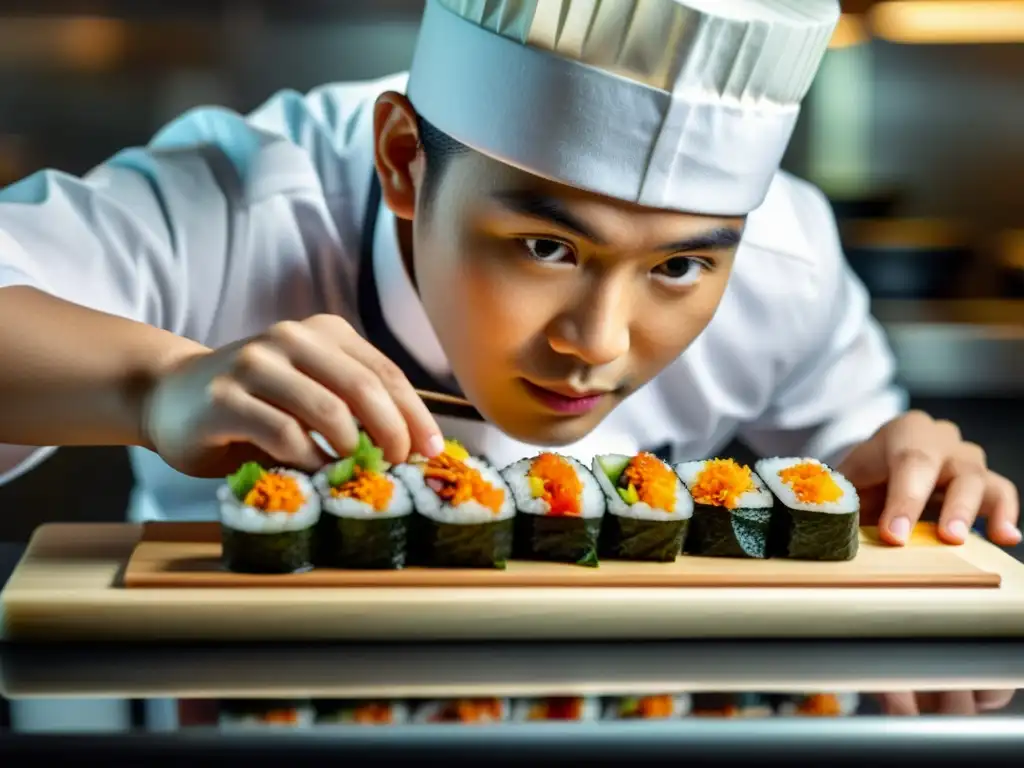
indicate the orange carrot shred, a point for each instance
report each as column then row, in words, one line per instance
column 654, row 482
column 820, row 705
column 371, row 488
column 811, row 483
column 461, row 483
column 721, row 483
column 276, row 493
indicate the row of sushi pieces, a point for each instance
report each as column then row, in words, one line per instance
column 456, row 510
column 570, row 708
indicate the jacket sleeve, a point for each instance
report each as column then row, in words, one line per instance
column 151, row 234
column 843, row 386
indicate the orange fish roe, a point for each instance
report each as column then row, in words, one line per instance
column 276, row 493
column 811, row 483
column 721, row 483
column 370, row 488
column 653, row 707
column 472, row 711
column 281, row 717
column 654, row 483
column 458, row 483
column 820, row 705
column 372, row 714
column 562, row 486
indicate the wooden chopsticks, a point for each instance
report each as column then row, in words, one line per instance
column 441, row 404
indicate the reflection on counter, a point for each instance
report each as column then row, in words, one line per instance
column 309, row 713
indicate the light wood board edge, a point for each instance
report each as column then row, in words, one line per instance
column 50, row 605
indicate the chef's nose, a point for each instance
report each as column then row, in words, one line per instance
column 596, row 329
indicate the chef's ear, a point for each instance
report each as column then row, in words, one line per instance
column 397, row 154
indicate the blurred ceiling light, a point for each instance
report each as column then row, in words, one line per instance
column 949, row 21
column 91, row 43
column 850, row 31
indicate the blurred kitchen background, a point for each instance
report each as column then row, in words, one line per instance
column 915, row 129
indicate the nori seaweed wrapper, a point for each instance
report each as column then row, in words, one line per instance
column 562, row 539
column 720, row 532
column 469, row 545
column 359, row 543
column 267, row 553
column 627, row 538
column 822, row 536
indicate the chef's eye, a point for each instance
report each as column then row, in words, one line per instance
column 680, row 271
column 549, row 251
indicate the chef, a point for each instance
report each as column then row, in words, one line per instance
column 569, row 213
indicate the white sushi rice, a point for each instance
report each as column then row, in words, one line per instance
column 430, row 711
column 640, row 510
column 759, row 498
column 521, row 709
column 354, row 509
column 682, row 704
column 431, row 506
column 769, row 470
column 239, row 516
column 517, row 476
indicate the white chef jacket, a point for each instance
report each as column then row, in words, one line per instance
column 225, row 224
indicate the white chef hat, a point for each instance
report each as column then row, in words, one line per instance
column 679, row 104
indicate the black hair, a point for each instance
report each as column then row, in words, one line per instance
column 438, row 149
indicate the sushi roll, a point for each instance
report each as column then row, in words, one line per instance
column 557, row 708
column 365, row 512
column 819, row 513
column 649, row 508
column 820, row 705
column 464, row 511
column 559, row 508
column 463, row 711
column 732, row 509
column 663, row 707
column 348, row 712
column 266, row 713
column 267, row 520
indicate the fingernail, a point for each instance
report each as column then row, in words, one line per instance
column 900, row 528
column 435, row 446
column 957, row 529
column 1012, row 532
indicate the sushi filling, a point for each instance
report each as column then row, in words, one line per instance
column 562, row 506
column 267, row 520
column 365, row 525
column 456, row 482
column 649, row 505
column 732, row 514
column 464, row 711
column 364, row 713
column 659, row 707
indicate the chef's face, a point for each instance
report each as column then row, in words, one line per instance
column 552, row 304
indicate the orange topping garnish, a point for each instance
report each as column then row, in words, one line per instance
column 457, row 483
column 372, row 714
column 820, row 705
column 281, row 716
column 562, row 486
column 472, row 711
column 654, row 482
column 370, row 488
column 276, row 493
column 811, row 483
column 656, row 706
column 559, row 708
column 721, row 483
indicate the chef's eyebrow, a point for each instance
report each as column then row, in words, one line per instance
column 551, row 209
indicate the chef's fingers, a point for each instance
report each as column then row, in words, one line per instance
column 322, row 357
column 422, row 434
column 1001, row 505
column 899, row 704
column 266, row 373
column 987, row 701
column 240, row 417
column 955, row 703
column 962, row 502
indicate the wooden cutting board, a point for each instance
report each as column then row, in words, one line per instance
column 70, row 587
column 188, row 555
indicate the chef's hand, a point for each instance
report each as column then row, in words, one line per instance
column 258, row 400
column 911, row 459
column 963, row 703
